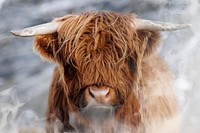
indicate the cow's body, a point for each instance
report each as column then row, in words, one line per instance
column 108, row 78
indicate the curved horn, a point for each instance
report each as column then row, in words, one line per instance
column 157, row 25
column 42, row 29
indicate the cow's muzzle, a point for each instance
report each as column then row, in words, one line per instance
column 97, row 102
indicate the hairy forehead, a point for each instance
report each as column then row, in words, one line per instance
column 93, row 35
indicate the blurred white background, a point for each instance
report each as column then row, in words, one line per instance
column 25, row 78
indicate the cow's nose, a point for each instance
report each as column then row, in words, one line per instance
column 98, row 93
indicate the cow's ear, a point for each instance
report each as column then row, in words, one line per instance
column 46, row 45
column 149, row 41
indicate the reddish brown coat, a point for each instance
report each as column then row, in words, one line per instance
column 104, row 49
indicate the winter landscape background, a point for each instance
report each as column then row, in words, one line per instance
column 25, row 78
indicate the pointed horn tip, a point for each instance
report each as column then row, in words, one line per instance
column 15, row 32
column 20, row 33
column 181, row 26
column 186, row 25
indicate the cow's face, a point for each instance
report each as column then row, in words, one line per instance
column 99, row 56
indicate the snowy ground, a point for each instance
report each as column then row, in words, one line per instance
column 24, row 77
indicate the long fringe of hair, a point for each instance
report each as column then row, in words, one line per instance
column 110, row 37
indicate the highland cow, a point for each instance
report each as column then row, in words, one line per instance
column 108, row 78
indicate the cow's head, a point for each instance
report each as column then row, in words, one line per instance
column 99, row 56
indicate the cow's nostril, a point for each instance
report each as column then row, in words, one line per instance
column 96, row 92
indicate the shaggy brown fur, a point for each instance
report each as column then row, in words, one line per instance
column 104, row 49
